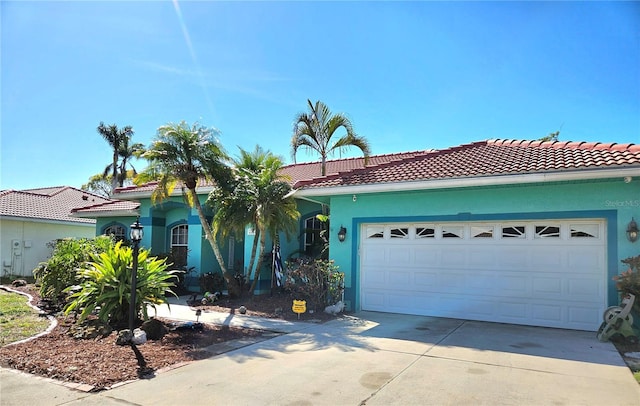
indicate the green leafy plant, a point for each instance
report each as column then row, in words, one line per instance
column 211, row 282
column 317, row 281
column 60, row 270
column 105, row 286
column 629, row 280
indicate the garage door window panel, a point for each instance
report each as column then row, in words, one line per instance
column 399, row 233
column 514, row 232
column 452, row 232
column 375, row 232
column 425, row 232
column 547, row 231
column 481, row 231
column 585, row 231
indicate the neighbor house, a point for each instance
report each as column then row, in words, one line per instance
column 523, row 232
column 30, row 219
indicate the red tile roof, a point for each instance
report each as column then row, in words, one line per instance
column 305, row 171
column 147, row 187
column 483, row 158
column 108, row 207
column 487, row 158
column 52, row 203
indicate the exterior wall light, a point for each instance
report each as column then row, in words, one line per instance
column 632, row 231
column 342, row 234
column 136, row 234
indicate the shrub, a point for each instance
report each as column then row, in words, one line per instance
column 629, row 280
column 317, row 281
column 106, row 285
column 211, row 282
column 60, row 270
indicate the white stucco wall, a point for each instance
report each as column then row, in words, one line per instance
column 31, row 238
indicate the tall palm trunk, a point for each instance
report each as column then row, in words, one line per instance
column 232, row 284
column 114, row 180
column 263, row 241
column 254, row 248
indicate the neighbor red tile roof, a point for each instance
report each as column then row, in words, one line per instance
column 52, row 203
column 487, row 158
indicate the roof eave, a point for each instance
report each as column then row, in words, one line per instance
column 107, row 213
column 560, row 176
column 147, row 193
column 50, row 221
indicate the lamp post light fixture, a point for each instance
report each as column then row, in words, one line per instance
column 342, row 234
column 632, row 231
column 136, row 234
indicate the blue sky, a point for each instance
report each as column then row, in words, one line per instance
column 410, row 75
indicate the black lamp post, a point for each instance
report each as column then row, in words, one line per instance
column 136, row 234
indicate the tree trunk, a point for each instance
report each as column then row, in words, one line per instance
column 232, row 284
column 263, row 239
column 254, row 247
column 114, row 180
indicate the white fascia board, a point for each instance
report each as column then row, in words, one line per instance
column 177, row 192
column 110, row 213
column 49, row 221
column 471, row 182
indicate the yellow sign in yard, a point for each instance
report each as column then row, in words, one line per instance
column 299, row 306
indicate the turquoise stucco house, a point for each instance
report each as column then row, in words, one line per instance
column 522, row 232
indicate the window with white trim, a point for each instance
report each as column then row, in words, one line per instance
column 312, row 240
column 179, row 245
column 116, row 231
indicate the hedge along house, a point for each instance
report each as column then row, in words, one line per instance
column 522, row 232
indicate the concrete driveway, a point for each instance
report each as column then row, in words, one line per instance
column 381, row 359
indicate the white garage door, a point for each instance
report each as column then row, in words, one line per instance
column 541, row 273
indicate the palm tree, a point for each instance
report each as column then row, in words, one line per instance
column 116, row 138
column 181, row 153
column 126, row 153
column 257, row 198
column 315, row 128
column 101, row 185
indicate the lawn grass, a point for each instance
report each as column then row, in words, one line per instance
column 17, row 320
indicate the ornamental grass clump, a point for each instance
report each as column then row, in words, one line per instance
column 105, row 287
